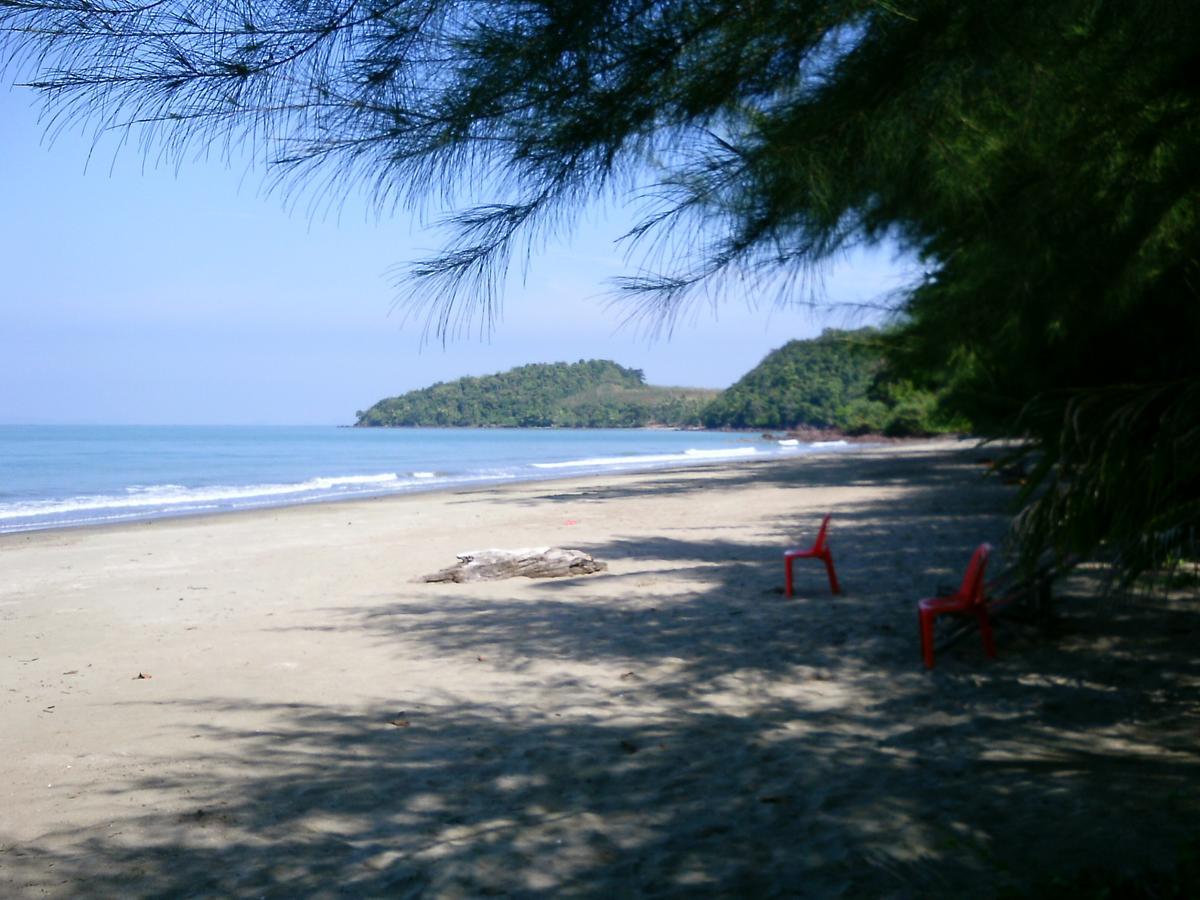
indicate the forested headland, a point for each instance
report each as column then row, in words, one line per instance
column 836, row 382
column 586, row 394
column 839, row 382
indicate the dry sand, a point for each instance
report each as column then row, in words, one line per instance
column 313, row 722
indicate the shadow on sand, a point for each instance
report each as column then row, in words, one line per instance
column 727, row 741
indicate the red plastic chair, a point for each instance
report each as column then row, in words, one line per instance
column 967, row 600
column 819, row 550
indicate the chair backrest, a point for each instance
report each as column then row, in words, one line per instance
column 820, row 544
column 972, row 583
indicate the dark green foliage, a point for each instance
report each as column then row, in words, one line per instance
column 1038, row 156
column 1142, row 442
column 836, row 381
column 586, row 394
column 803, row 383
column 1059, row 203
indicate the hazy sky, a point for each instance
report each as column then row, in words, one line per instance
column 136, row 293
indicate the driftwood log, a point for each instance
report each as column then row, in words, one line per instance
column 536, row 562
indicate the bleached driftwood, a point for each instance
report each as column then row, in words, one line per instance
column 534, row 562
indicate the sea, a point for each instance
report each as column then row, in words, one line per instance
column 62, row 476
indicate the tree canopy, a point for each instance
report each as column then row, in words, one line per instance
column 837, row 381
column 1037, row 155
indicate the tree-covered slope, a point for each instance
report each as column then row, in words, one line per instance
column 586, row 394
column 834, row 381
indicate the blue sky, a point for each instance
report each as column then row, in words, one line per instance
column 163, row 294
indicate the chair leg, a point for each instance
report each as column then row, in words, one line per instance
column 926, row 623
column 833, row 582
column 787, row 576
column 985, row 631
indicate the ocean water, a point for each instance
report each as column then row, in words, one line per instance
column 61, row 476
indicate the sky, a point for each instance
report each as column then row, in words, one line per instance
column 136, row 293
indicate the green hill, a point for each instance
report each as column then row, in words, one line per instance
column 587, row 394
column 836, row 381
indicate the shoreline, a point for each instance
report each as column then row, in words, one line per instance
column 536, row 476
column 270, row 703
column 350, row 503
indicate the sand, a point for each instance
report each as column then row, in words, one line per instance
column 312, row 722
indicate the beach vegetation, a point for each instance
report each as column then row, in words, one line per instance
column 1036, row 156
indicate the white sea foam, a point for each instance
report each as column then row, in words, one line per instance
column 824, row 444
column 173, row 499
column 350, row 479
column 685, row 456
column 178, row 498
column 789, row 442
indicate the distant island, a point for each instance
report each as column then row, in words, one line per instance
column 586, row 394
column 836, row 383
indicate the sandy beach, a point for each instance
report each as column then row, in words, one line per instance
column 270, row 704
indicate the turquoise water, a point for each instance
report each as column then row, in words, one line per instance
column 60, row 476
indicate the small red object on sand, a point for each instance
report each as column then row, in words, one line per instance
column 819, row 550
column 967, row 600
